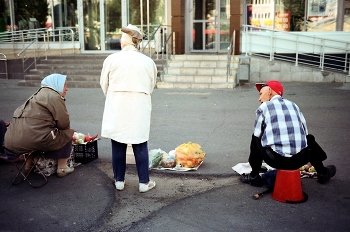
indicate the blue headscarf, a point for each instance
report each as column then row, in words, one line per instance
column 55, row 81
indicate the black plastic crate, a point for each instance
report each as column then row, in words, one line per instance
column 85, row 153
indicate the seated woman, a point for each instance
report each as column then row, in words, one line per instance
column 42, row 124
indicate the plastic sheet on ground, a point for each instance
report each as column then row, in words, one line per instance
column 245, row 168
column 179, row 168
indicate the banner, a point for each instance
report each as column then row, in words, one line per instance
column 282, row 21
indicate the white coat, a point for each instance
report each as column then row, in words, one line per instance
column 127, row 80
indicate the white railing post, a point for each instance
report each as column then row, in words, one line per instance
column 174, row 44
column 245, row 30
column 60, row 40
column 272, row 41
column 345, row 61
column 72, row 35
column 322, row 54
column 297, row 51
column 36, row 47
column 45, row 46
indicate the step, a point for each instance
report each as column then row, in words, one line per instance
column 196, row 71
column 78, row 77
column 70, row 84
column 174, row 85
column 197, row 79
column 45, row 72
column 77, row 62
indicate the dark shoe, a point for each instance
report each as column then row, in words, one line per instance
column 256, row 181
column 331, row 170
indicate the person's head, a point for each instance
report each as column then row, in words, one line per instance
column 131, row 36
column 57, row 82
column 269, row 89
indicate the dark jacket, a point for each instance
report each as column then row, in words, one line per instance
column 40, row 124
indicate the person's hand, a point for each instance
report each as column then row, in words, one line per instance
column 7, row 124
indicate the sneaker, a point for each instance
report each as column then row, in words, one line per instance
column 256, row 181
column 119, row 185
column 146, row 187
column 331, row 170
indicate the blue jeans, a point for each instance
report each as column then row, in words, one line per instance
column 119, row 160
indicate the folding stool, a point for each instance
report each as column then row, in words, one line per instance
column 22, row 175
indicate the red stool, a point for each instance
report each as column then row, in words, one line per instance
column 287, row 187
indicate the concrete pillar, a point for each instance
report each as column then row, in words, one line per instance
column 236, row 21
column 178, row 24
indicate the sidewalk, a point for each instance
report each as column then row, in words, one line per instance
column 209, row 199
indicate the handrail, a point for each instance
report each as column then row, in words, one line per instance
column 24, row 49
column 164, row 44
column 149, row 41
column 231, row 49
column 324, row 51
column 161, row 43
column 36, row 43
column 4, row 59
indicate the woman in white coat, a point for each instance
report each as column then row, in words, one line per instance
column 127, row 80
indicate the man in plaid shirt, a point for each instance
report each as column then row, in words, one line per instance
column 281, row 138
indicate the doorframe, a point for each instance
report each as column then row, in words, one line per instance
column 189, row 27
column 102, row 25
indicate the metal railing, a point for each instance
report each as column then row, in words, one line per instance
column 5, row 61
column 32, row 45
column 326, row 51
column 230, row 52
column 160, row 46
column 159, row 42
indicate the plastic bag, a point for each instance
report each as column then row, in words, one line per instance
column 168, row 160
column 155, row 157
column 189, row 155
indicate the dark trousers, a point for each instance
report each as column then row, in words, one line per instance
column 119, row 160
column 313, row 154
column 3, row 129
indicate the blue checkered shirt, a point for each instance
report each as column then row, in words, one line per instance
column 281, row 126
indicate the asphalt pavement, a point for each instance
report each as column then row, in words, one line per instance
column 221, row 121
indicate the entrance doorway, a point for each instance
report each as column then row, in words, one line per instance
column 210, row 20
column 102, row 20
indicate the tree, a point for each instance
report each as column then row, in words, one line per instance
column 37, row 9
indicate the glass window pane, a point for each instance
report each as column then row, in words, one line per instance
column 91, row 15
column 197, row 34
column 225, row 9
column 210, row 34
column 347, row 17
column 156, row 12
column 224, row 35
column 113, row 19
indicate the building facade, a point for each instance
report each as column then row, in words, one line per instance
column 200, row 26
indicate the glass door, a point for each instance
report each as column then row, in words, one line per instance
column 103, row 20
column 211, row 24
